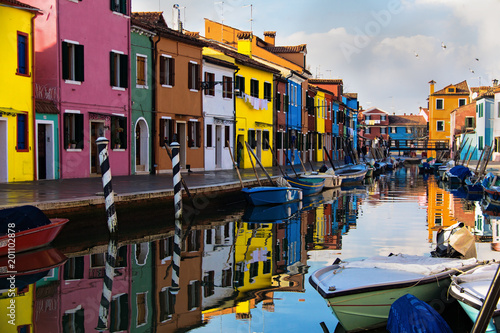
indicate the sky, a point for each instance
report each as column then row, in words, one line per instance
column 385, row 50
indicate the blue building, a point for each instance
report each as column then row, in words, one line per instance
column 405, row 129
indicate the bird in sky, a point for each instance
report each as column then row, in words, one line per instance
column 442, row 45
column 471, row 70
column 416, row 54
column 477, row 59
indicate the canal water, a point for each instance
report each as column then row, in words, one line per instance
column 241, row 270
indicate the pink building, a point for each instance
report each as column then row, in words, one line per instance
column 82, row 51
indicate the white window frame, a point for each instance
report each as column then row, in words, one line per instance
column 442, row 100
column 437, row 125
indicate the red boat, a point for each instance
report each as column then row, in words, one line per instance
column 26, row 228
column 32, row 262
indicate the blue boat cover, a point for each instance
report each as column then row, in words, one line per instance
column 409, row 314
column 460, row 171
column 23, row 218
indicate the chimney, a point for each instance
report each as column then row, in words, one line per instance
column 495, row 82
column 176, row 18
column 245, row 42
column 270, row 37
column 431, row 87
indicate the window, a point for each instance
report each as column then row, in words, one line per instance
column 193, row 134
column 167, row 71
column 73, row 130
column 193, row 240
column 227, row 136
column 267, row 91
column 210, row 84
column 22, row 54
column 240, row 86
column 209, row 284
column 278, row 102
column 73, row 321
column 480, row 145
column 367, row 118
column 166, row 131
column 227, row 276
column 118, row 132
column 254, row 88
column 498, row 110
column 383, row 130
column 193, row 76
column 439, row 104
column 167, row 304
column 368, row 130
column 227, row 87
column 285, row 103
column 440, row 126
column 119, row 6
column 265, row 140
column 451, row 89
column 320, row 141
column 251, row 139
column 209, row 135
column 72, row 62
column 383, row 118
column 408, row 130
column 462, row 102
column 469, row 122
column 119, row 313
column 279, row 140
column 166, row 247
column 22, row 132
column 141, row 70
column 393, row 130
column 479, row 110
column 140, row 302
column 73, row 268
column 118, row 69
column 194, row 295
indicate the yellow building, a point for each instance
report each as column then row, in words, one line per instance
column 18, row 308
column 441, row 103
column 254, row 93
column 17, row 147
column 439, row 213
column 320, row 115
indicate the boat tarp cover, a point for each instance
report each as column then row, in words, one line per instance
column 409, row 314
column 23, row 218
column 460, row 171
column 412, row 263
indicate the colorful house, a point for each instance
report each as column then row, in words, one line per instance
column 141, row 89
column 376, row 125
column 320, row 116
column 311, row 136
column 17, row 120
column 496, row 124
column 405, row 129
column 441, row 103
column 485, row 119
column 463, row 125
column 88, row 68
column 218, row 112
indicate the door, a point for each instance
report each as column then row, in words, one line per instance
column 259, row 144
column 41, row 152
column 3, row 151
column 96, row 131
column 141, row 146
column 218, row 146
column 181, row 136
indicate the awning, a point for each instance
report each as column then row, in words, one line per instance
column 9, row 111
column 262, row 124
column 45, row 106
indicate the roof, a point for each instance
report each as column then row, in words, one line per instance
column 19, row 4
column 351, row 95
column 460, row 88
column 407, row 120
column 45, row 106
column 287, row 49
column 374, row 110
column 326, row 81
column 148, row 19
column 219, row 62
column 488, row 92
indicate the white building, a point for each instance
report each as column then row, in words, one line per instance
column 218, row 112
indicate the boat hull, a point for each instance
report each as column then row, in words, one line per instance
column 308, row 186
column 331, row 181
column 271, row 195
column 32, row 238
column 270, row 214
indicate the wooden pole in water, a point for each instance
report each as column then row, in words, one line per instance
column 176, row 257
column 234, row 163
column 251, row 161
column 107, row 286
column 489, row 305
column 182, row 179
column 259, row 163
column 102, row 146
column 470, row 156
column 275, row 158
column 302, row 163
column 329, row 157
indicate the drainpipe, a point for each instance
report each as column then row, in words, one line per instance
column 153, row 90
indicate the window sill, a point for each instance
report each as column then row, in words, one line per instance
column 74, row 149
column 166, row 86
column 140, row 86
column 21, row 74
column 119, row 149
column 193, row 90
column 118, row 88
column 78, row 83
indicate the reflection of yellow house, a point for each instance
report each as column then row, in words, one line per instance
column 438, row 209
column 320, row 230
column 253, row 257
column 441, row 103
column 16, row 93
column 21, row 307
column 320, row 113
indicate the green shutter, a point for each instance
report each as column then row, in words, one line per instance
column 124, row 71
column 111, row 69
column 79, row 63
column 65, row 64
column 123, row 7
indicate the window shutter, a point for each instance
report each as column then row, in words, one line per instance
column 123, row 70
column 163, row 60
column 197, row 77
column 172, row 72
column 65, row 63
column 162, row 132
column 123, row 7
column 190, row 75
column 198, row 134
column 79, row 63
column 111, row 69
column 79, row 130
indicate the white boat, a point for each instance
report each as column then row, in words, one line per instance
column 470, row 289
column 360, row 293
column 331, row 179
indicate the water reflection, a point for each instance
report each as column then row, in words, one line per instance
column 249, row 268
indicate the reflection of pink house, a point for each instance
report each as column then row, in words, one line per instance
column 79, row 295
column 85, row 68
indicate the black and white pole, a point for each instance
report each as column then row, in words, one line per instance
column 176, row 260
column 102, row 323
column 107, row 287
column 102, row 146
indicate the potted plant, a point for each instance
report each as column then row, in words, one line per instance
column 72, row 144
column 118, row 143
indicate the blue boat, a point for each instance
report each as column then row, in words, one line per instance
column 271, row 214
column 271, row 195
column 352, row 174
column 307, row 185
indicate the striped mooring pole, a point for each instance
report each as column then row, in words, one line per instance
column 178, row 217
column 102, row 146
column 107, row 287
